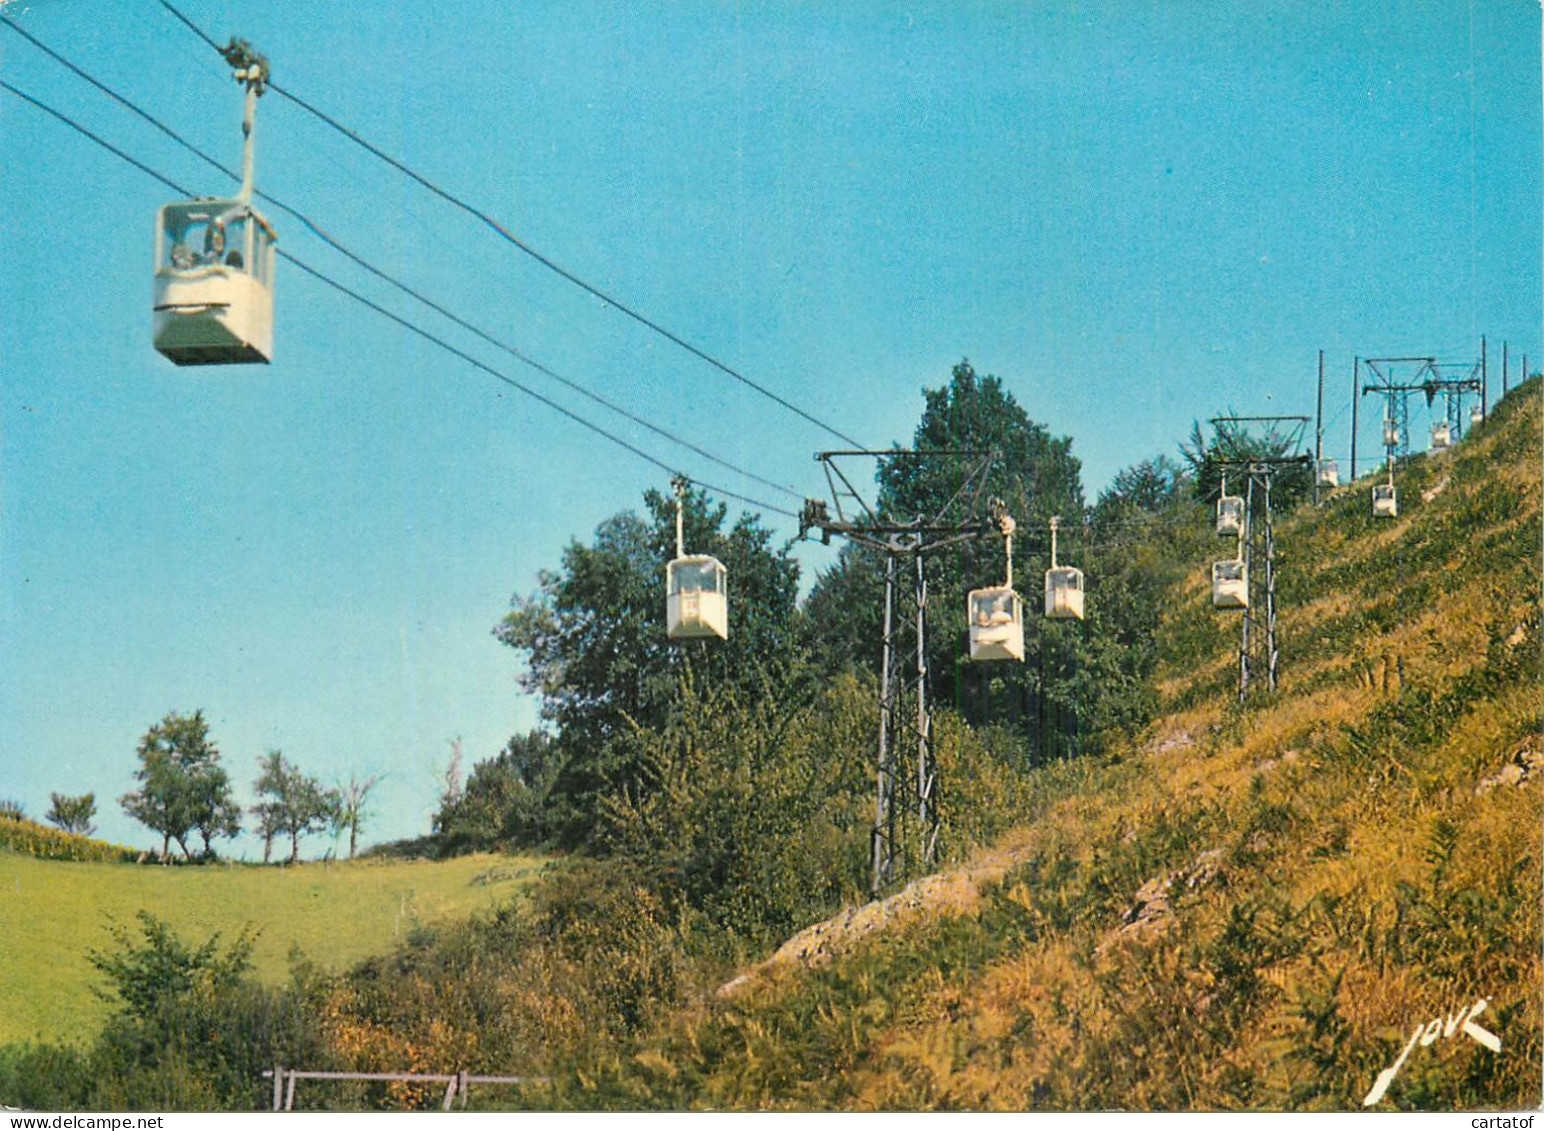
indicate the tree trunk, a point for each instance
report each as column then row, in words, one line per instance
column 353, row 837
column 267, row 846
column 294, row 845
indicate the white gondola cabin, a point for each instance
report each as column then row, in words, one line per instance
column 996, row 624
column 1385, row 501
column 1064, row 593
column 1476, row 415
column 213, row 283
column 696, row 598
column 213, row 301
column 1329, row 473
column 1441, row 436
column 1390, row 434
column 1230, row 516
column 1230, row 584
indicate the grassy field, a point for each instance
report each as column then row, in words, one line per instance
column 53, row 912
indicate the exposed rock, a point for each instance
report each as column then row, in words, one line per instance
column 1176, row 741
column 944, row 893
column 1526, row 762
column 1152, row 905
column 1434, row 490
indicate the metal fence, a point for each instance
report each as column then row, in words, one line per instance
column 456, row 1084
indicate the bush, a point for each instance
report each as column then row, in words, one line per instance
column 32, row 839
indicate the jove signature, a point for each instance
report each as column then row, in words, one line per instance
column 1427, row 1034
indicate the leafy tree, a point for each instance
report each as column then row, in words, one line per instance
column 1142, row 490
column 1037, row 477
column 183, row 788
column 146, row 978
column 593, row 636
column 1233, row 442
column 290, row 803
column 73, row 814
column 12, row 810
column 504, row 801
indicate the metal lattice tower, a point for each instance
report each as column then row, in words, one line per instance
column 1396, row 403
column 906, row 823
column 904, row 722
column 1257, row 653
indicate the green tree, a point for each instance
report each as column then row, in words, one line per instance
column 183, row 788
column 1036, row 476
column 73, row 813
column 1234, row 442
column 147, row 978
column 291, row 803
column 593, row 638
column 504, row 801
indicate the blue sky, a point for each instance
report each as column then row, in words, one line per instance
column 1137, row 214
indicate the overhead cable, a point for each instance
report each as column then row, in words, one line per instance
column 400, row 320
column 438, row 308
column 540, row 257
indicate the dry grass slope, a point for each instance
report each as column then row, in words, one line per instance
column 1251, row 907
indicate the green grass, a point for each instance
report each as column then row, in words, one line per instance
column 52, row 912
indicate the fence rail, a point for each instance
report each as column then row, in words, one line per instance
column 456, row 1084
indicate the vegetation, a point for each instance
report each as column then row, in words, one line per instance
column 19, row 835
column 1200, row 904
column 335, row 915
column 72, row 814
column 291, row 803
column 183, row 787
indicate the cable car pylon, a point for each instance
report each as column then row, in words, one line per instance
column 906, row 822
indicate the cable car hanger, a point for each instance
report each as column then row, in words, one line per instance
column 215, row 306
column 996, row 614
column 696, row 589
column 1063, row 585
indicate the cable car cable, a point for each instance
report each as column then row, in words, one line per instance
column 400, row 320
column 517, row 242
column 438, row 308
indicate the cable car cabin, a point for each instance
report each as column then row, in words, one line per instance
column 1329, row 473
column 996, row 624
column 696, row 598
column 1390, row 434
column 1476, row 415
column 1230, row 515
column 1441, row 436
column 1230, row 584
column 1385, row 501
column 1064, row 593
column 213, row 283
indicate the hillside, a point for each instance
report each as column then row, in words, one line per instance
column 335, row 915
column 1249, row 906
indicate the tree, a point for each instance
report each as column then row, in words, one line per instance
column 349, row 814
column 504, row 802
column 183, row 788
column 1232, row 442
column 290, row 803
column 1037, row 477
column 147, row 979
column 73, row 814
column 593, row 636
